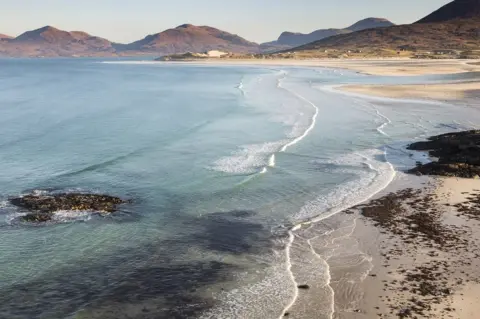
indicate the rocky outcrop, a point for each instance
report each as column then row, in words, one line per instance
column 42, row 207
column 457, row 154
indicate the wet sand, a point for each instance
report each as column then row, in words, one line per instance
column 449, row 91
column 390, row 67
column 424, row 244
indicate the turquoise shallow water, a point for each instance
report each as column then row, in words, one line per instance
column 220, row 163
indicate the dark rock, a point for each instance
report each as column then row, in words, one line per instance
column 458, row 155
column 305, row 287
column 42, row 207
column 37, row 217
column 286, row 314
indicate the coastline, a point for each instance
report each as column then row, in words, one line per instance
column 385, row 67
column 397, row 67
column 417, row 246
column 427, row 270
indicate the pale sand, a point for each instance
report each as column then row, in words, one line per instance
column 392, row 66
column 456, row 190
column 448, row 91
column 466, row 301
column 379, row 300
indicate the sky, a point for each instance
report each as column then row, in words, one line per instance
column 126, row 21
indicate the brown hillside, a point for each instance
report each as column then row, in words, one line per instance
column 458, row 9
column 4, row 36
column 460, row 34
column 291, row 39
column 51, row 42
column 190, row 38
column 454, row 26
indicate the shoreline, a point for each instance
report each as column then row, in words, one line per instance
column 444, row 91
column 421, row 241
column 384, row 67
column 423, row 252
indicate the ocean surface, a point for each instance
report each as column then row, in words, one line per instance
column 232, row 172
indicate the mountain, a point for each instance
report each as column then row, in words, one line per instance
column 190, row 38
column 291, row 39
column 4, row 37
column 459, row 9
column 370, row 23
column 454, row 26
column 51, row 42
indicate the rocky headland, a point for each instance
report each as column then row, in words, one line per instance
column 454, row 154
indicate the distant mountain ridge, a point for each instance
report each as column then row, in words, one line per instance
column 291, row 39
column 190, row 38
column 4, row 36
column 454, row 26
column 49, row 41
column 52, row 42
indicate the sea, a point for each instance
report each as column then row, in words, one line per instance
column 232, row 172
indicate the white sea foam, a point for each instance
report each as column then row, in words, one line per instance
column 312, row 123
column 261, row 299
column 258, row 157
column 288, row 264
column 249, row 159
column 66, row 216
column 241, row 87
column 271, row 161
column 369, row 183
column 384, row 124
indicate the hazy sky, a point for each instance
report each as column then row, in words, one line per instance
column 256, row 20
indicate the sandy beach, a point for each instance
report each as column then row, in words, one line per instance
column 388, row 67
column 450, row 91
column 422, row 233
column 425, row 252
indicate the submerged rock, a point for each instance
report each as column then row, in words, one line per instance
column 458, row 155
column 42, row 207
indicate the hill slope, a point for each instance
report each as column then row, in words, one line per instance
column 459, row 9
column 190, row 38
column 370, row 23
column 456, row 30
column 51, row 42
column 4, row 36
column 291, row 39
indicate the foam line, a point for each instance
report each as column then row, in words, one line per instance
column 381, row 127
column 329, row 277
column 291, row 238
column 312, row 125
column 271, row 161
column 325, row 216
